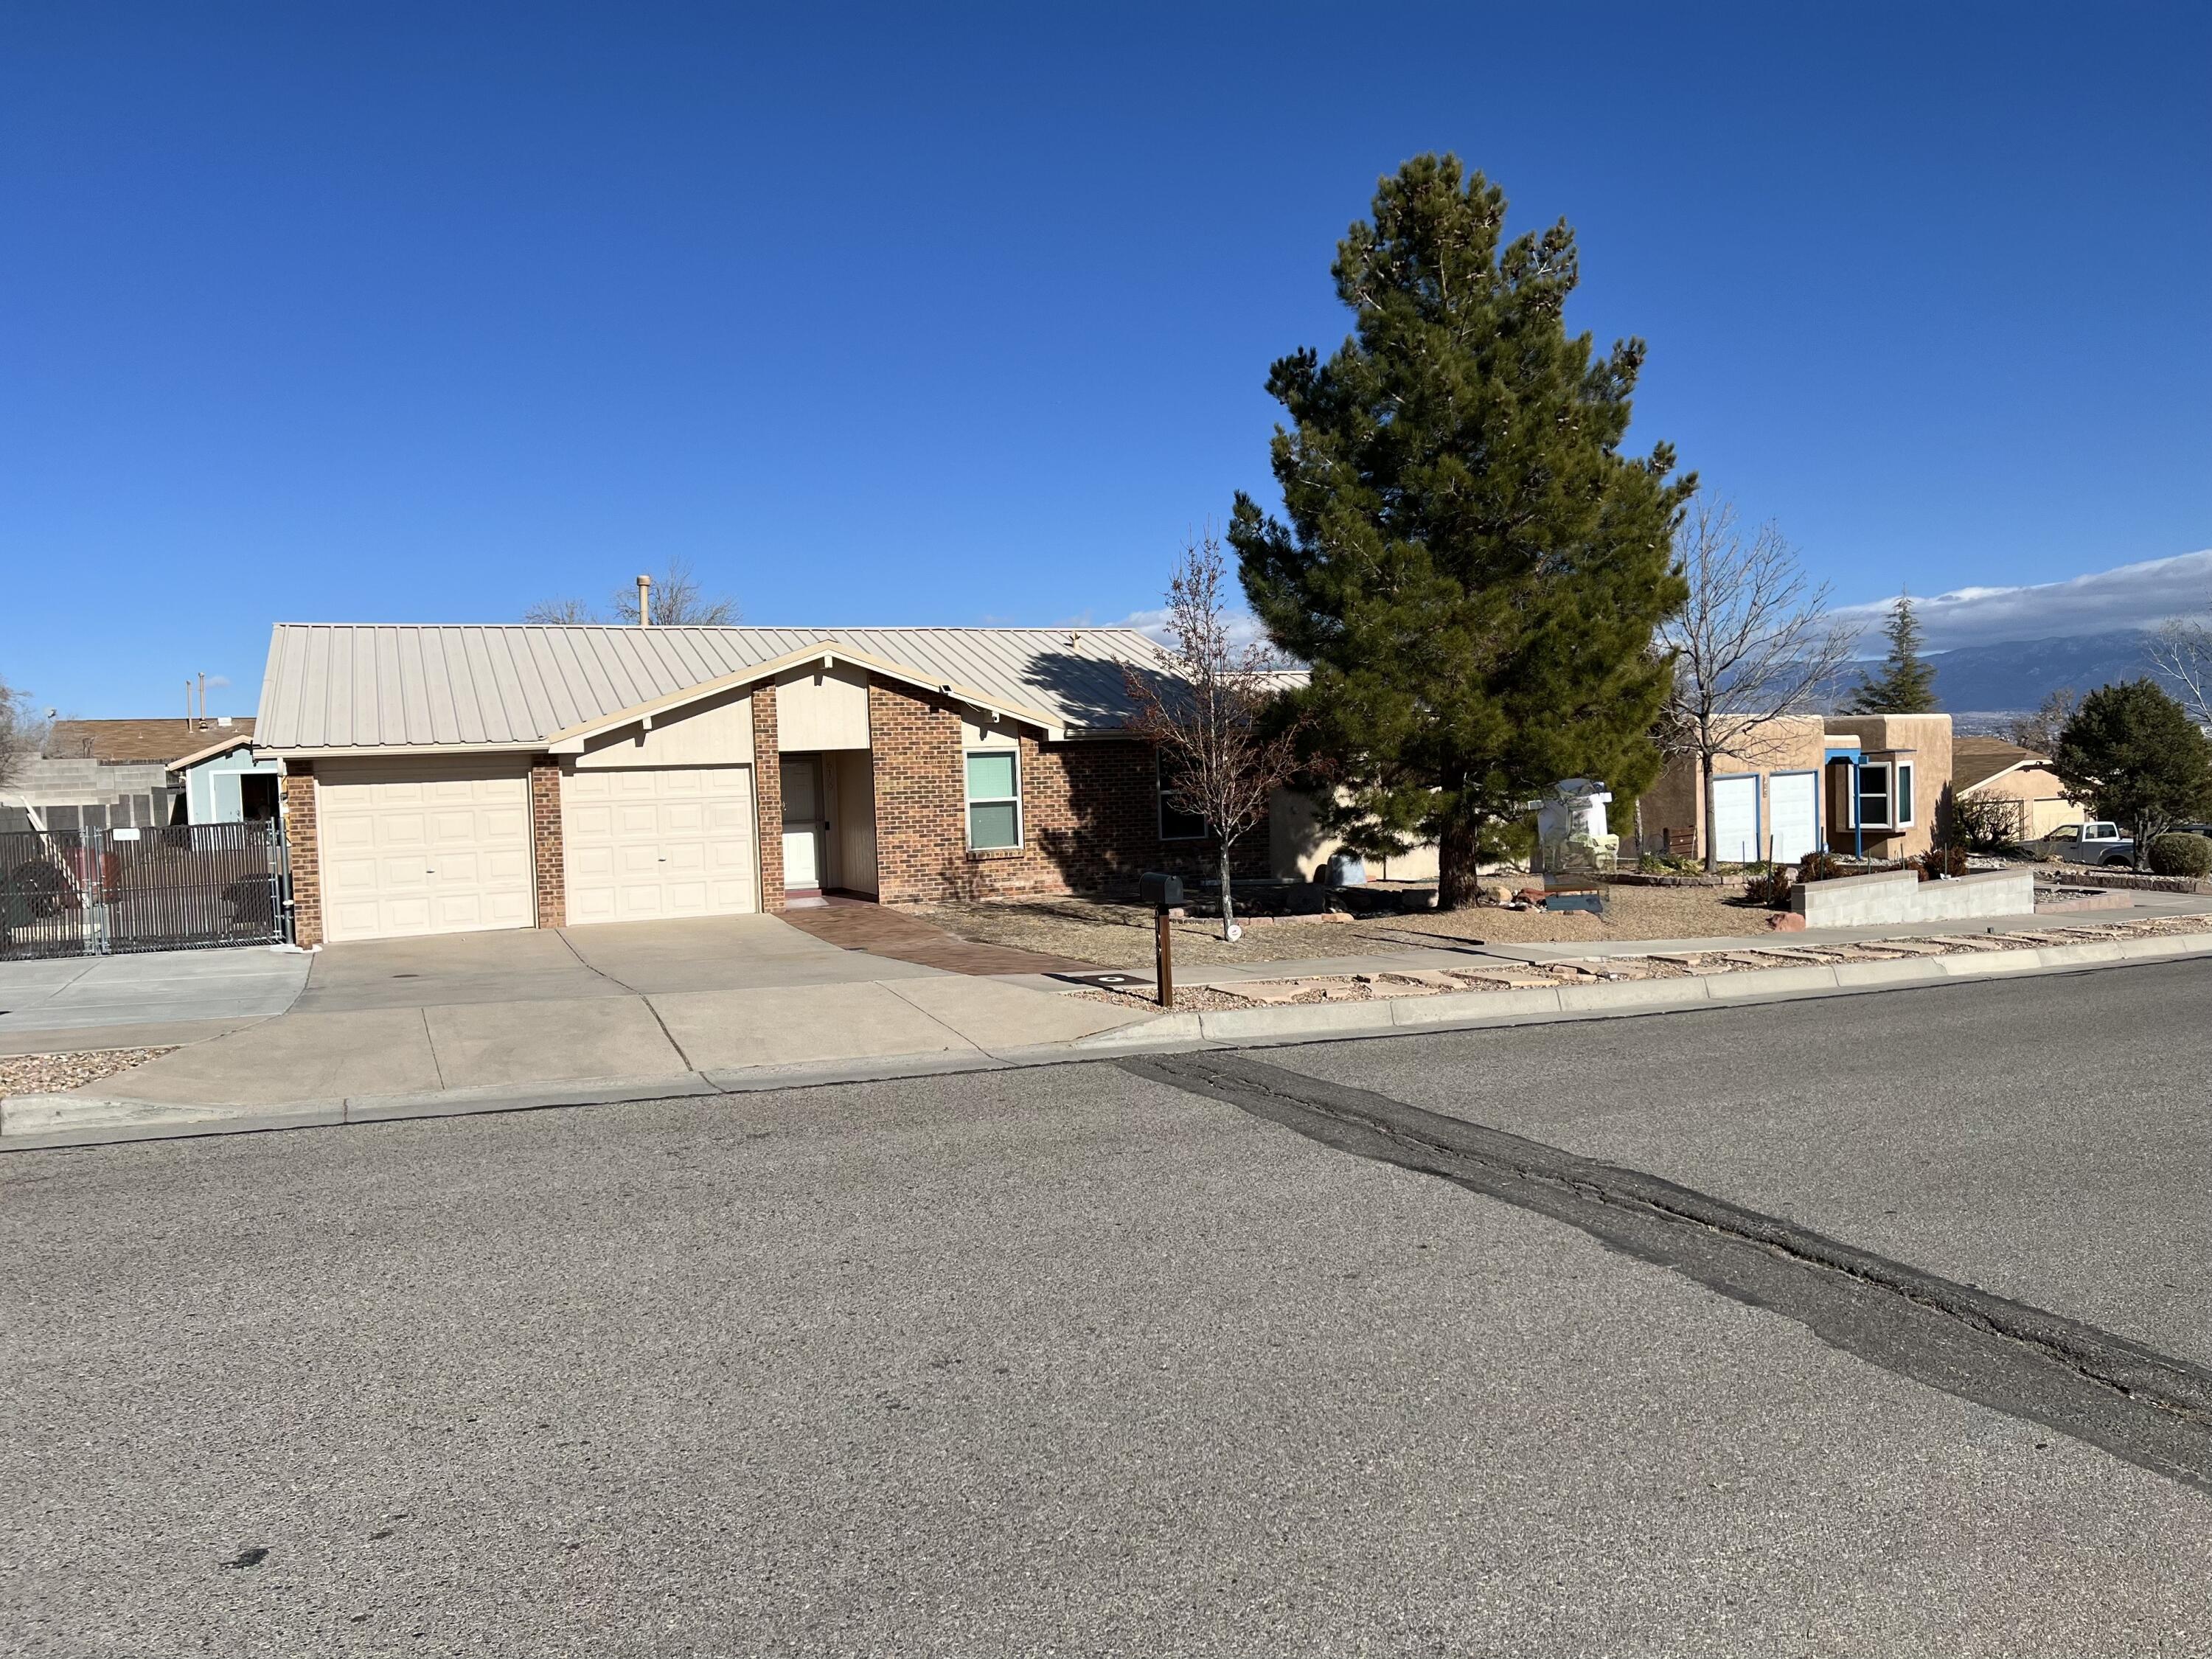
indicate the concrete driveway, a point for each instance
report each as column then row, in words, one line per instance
column 626, row 1003
column 143, row 1001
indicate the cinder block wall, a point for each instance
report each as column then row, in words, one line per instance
column 1089, row 820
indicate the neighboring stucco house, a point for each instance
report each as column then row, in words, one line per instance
column 226, row 781
column 1847, row 783
column 1989, row 768
column 444, row 779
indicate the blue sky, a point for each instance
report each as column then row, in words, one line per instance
column 955, row 314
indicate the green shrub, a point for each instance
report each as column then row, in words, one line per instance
column 2179, row 854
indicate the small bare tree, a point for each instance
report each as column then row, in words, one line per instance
column 22, row 734
column 677, row 602
column 2038, row 731
column 560, row 613
column 1204, row 711
column 1753, row 644
column 2181, row 653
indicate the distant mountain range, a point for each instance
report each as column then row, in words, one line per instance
column 2019, row 674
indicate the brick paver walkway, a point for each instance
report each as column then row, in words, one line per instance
column 857, row 925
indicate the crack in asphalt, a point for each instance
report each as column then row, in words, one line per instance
column 2151, row 1409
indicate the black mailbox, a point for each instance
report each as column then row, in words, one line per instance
column 1163, row 892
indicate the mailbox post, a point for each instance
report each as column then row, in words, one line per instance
column 1164, row 894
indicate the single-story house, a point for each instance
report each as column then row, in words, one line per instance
column 445, row 779
column 109, row 774
column 226, row 781
column 2021, row 781
column 1845, row 783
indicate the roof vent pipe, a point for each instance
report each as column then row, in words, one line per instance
column 645, row 601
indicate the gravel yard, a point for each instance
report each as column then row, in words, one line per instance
column 1121, row 935
column 46, row 1075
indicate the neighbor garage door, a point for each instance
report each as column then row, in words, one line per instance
column 1736, row 820
column 423, row 848
column 652, row 842
column 1793, row 797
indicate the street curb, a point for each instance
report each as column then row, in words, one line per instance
column 1281, row 1026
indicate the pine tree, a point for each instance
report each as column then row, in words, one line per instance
column 1906, row 685
column 1472, row 567
column 2131, row 753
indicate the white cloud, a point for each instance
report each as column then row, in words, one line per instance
column 2102, row 602
column 1243, row 628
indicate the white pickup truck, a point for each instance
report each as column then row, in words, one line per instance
column 2094, row 842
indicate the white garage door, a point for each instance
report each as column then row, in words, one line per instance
column 423, row 848
column 1736, row 820
column 1792, row 798
column 652, row 842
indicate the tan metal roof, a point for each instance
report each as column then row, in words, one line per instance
column 343, row 685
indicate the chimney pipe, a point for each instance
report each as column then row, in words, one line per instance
column 203, row 701
column 645, row 601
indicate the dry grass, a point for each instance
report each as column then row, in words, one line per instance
column 46, row 1075
column 1121, row 935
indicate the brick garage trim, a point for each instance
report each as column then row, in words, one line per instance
column 547, row 854
column 303, row 847
column 1090, row 813
column 767, row 796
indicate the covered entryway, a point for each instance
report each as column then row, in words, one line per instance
column 1793, row 797
column 423, row 847
column 654, row 843
column 1736, row 820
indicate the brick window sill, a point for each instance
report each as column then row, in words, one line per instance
column 992, row 854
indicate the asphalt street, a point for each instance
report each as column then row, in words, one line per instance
column 1084, row 1361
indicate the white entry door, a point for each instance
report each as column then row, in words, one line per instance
column 1793, row 799
column 1736, row 820
column 647, row 844
column 802, row 822
column 423, row 847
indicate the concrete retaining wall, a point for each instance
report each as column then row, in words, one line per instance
column 1899, row 896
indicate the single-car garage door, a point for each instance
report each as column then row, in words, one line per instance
column 1794, row 798
column 1736, row 820
column 423, row 847
column 649, row 842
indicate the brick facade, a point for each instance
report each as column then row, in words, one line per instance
column 305, row 849
column 767, row 796
column 1090, row 813
column 547, row 863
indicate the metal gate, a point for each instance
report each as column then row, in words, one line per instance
column 98, row 892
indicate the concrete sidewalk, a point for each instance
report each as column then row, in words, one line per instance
column 646, row 1009
column 376, row 1065
column 144, row 1002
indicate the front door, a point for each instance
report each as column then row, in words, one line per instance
column 802, row 822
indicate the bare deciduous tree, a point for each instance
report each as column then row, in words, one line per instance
column 2181, row 653
column 560, row 613
column 22, row 734
column 677, row 602
column 1204, row 712
column 1753, row 644
column 2038, row 731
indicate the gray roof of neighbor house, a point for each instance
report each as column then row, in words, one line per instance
column 420, row 686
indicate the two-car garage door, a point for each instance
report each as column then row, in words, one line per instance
column 651, row 843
